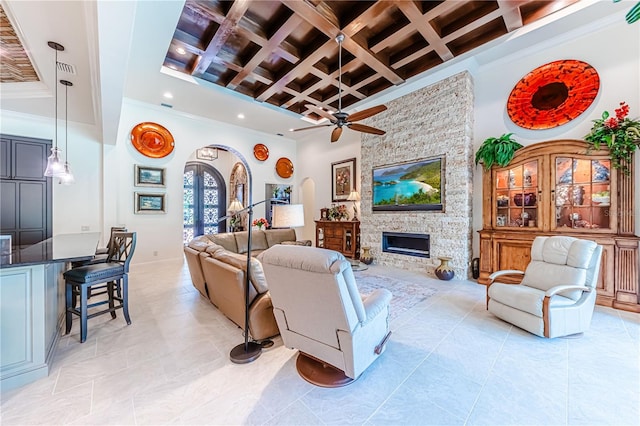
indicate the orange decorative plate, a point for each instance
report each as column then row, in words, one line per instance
column 553, row 94
column 284, row 167
column 152, row 140
column 261, row 152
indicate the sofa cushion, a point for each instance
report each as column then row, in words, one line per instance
column 226, row 240
column 213, row 248
column 277, row 236
column 199, row 245
column 306, row 243
column 256, row 274
column 258, row 241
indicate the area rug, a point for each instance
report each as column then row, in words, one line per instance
column 405, row 294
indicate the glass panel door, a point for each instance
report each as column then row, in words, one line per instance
column 203, row 201
column 516, row 196
column 582, row 193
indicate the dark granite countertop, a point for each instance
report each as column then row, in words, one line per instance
column 60, row 248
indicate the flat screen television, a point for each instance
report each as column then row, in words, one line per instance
column 414, row 185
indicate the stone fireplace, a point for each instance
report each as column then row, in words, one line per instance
column 435, row 121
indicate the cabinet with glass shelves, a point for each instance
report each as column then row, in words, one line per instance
column 562, row 188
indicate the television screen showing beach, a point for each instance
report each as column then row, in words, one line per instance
column 416, row 183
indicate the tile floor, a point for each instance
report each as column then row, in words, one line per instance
column 448, row 362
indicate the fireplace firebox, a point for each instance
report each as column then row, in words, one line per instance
column 406, row 243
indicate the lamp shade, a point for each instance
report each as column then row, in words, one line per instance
column 288, row 216
column 354, row 196
column 235, row 206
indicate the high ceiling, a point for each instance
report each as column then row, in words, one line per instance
column 284, row 52
column 281, row 53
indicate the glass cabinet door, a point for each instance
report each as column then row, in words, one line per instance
column 516, row 196
column 582, row 198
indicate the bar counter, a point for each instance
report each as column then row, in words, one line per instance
column 32, row 304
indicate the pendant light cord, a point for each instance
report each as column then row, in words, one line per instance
column 66, row 122
column 55, row 140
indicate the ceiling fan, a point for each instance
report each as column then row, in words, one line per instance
column 340, row 118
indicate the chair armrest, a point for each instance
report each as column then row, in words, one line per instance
column 553, row 290
column 497, row 274
column 376, row 303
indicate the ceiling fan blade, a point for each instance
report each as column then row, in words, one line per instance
column 321, row 112
column 360, row 115
column 312, row 127
column 365, row 129
column 335, row 135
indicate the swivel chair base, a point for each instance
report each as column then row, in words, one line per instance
column 320, row 373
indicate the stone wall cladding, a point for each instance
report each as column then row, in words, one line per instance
column 434, row 121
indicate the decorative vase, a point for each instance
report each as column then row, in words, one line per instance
column 365, row 256
column 444, row 271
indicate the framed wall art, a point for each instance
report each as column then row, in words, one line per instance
column 149, row 176
column 343, row 176
column 150, row 203
column 414, row 185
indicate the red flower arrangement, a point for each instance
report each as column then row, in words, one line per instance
column 260, row 223
column 620, row 134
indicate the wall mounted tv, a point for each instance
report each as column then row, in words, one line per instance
column 415, row 185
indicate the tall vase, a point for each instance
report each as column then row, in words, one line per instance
column 365, row 256
column 444, row 271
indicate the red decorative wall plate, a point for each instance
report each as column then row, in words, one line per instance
column 553, row 94
column 152, row 140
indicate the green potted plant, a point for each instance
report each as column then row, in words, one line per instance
column 498, row 151
column 620, row 134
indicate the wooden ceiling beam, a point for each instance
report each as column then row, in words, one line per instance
column 422, row 25
column 325, row 23
column 227, row 27
column 511, row 13
column 266, row 49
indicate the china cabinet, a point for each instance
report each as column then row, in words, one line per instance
column 342, row 236
column 562, row 188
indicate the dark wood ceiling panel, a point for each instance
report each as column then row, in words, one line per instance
column 284, row 52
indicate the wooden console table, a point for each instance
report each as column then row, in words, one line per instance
column 342, row 236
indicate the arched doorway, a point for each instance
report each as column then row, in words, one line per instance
column 204, row 201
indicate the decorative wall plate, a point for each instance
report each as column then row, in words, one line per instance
column 284, row 167
column 553, row 94
column 152, row 140
column 261, row 152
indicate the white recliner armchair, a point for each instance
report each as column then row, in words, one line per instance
column 557, row 294
column 320, row 312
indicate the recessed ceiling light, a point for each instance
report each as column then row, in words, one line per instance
column 181, row 51
column 173, row 67
column 291, row 130
column 240, row 115
column 168, row 95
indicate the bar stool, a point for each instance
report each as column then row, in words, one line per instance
column 113, row 272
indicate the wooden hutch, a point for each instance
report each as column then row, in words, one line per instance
column 562, row 188
column 342, row 236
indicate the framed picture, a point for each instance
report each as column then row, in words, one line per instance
column 150, row 203
column 323, row 214
column 149, row 176
column 414, row 185
column 343, row 175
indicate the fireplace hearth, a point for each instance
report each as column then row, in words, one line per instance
column 409, row 244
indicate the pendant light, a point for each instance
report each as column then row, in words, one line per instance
column 55, row 168
column 67, row 178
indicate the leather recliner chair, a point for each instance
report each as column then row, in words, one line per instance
column 557, row 295
column 320, row 312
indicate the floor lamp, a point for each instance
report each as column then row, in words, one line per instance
column 293, row 216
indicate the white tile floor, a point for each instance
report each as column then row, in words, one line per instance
column 448, row 362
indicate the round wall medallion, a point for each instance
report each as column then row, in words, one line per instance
column 553, row 94
column 284, row 167
column 261, row 152
column 152, row 140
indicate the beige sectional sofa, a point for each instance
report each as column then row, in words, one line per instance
column 217, row 264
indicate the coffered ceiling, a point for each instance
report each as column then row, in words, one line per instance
column 284, row 52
